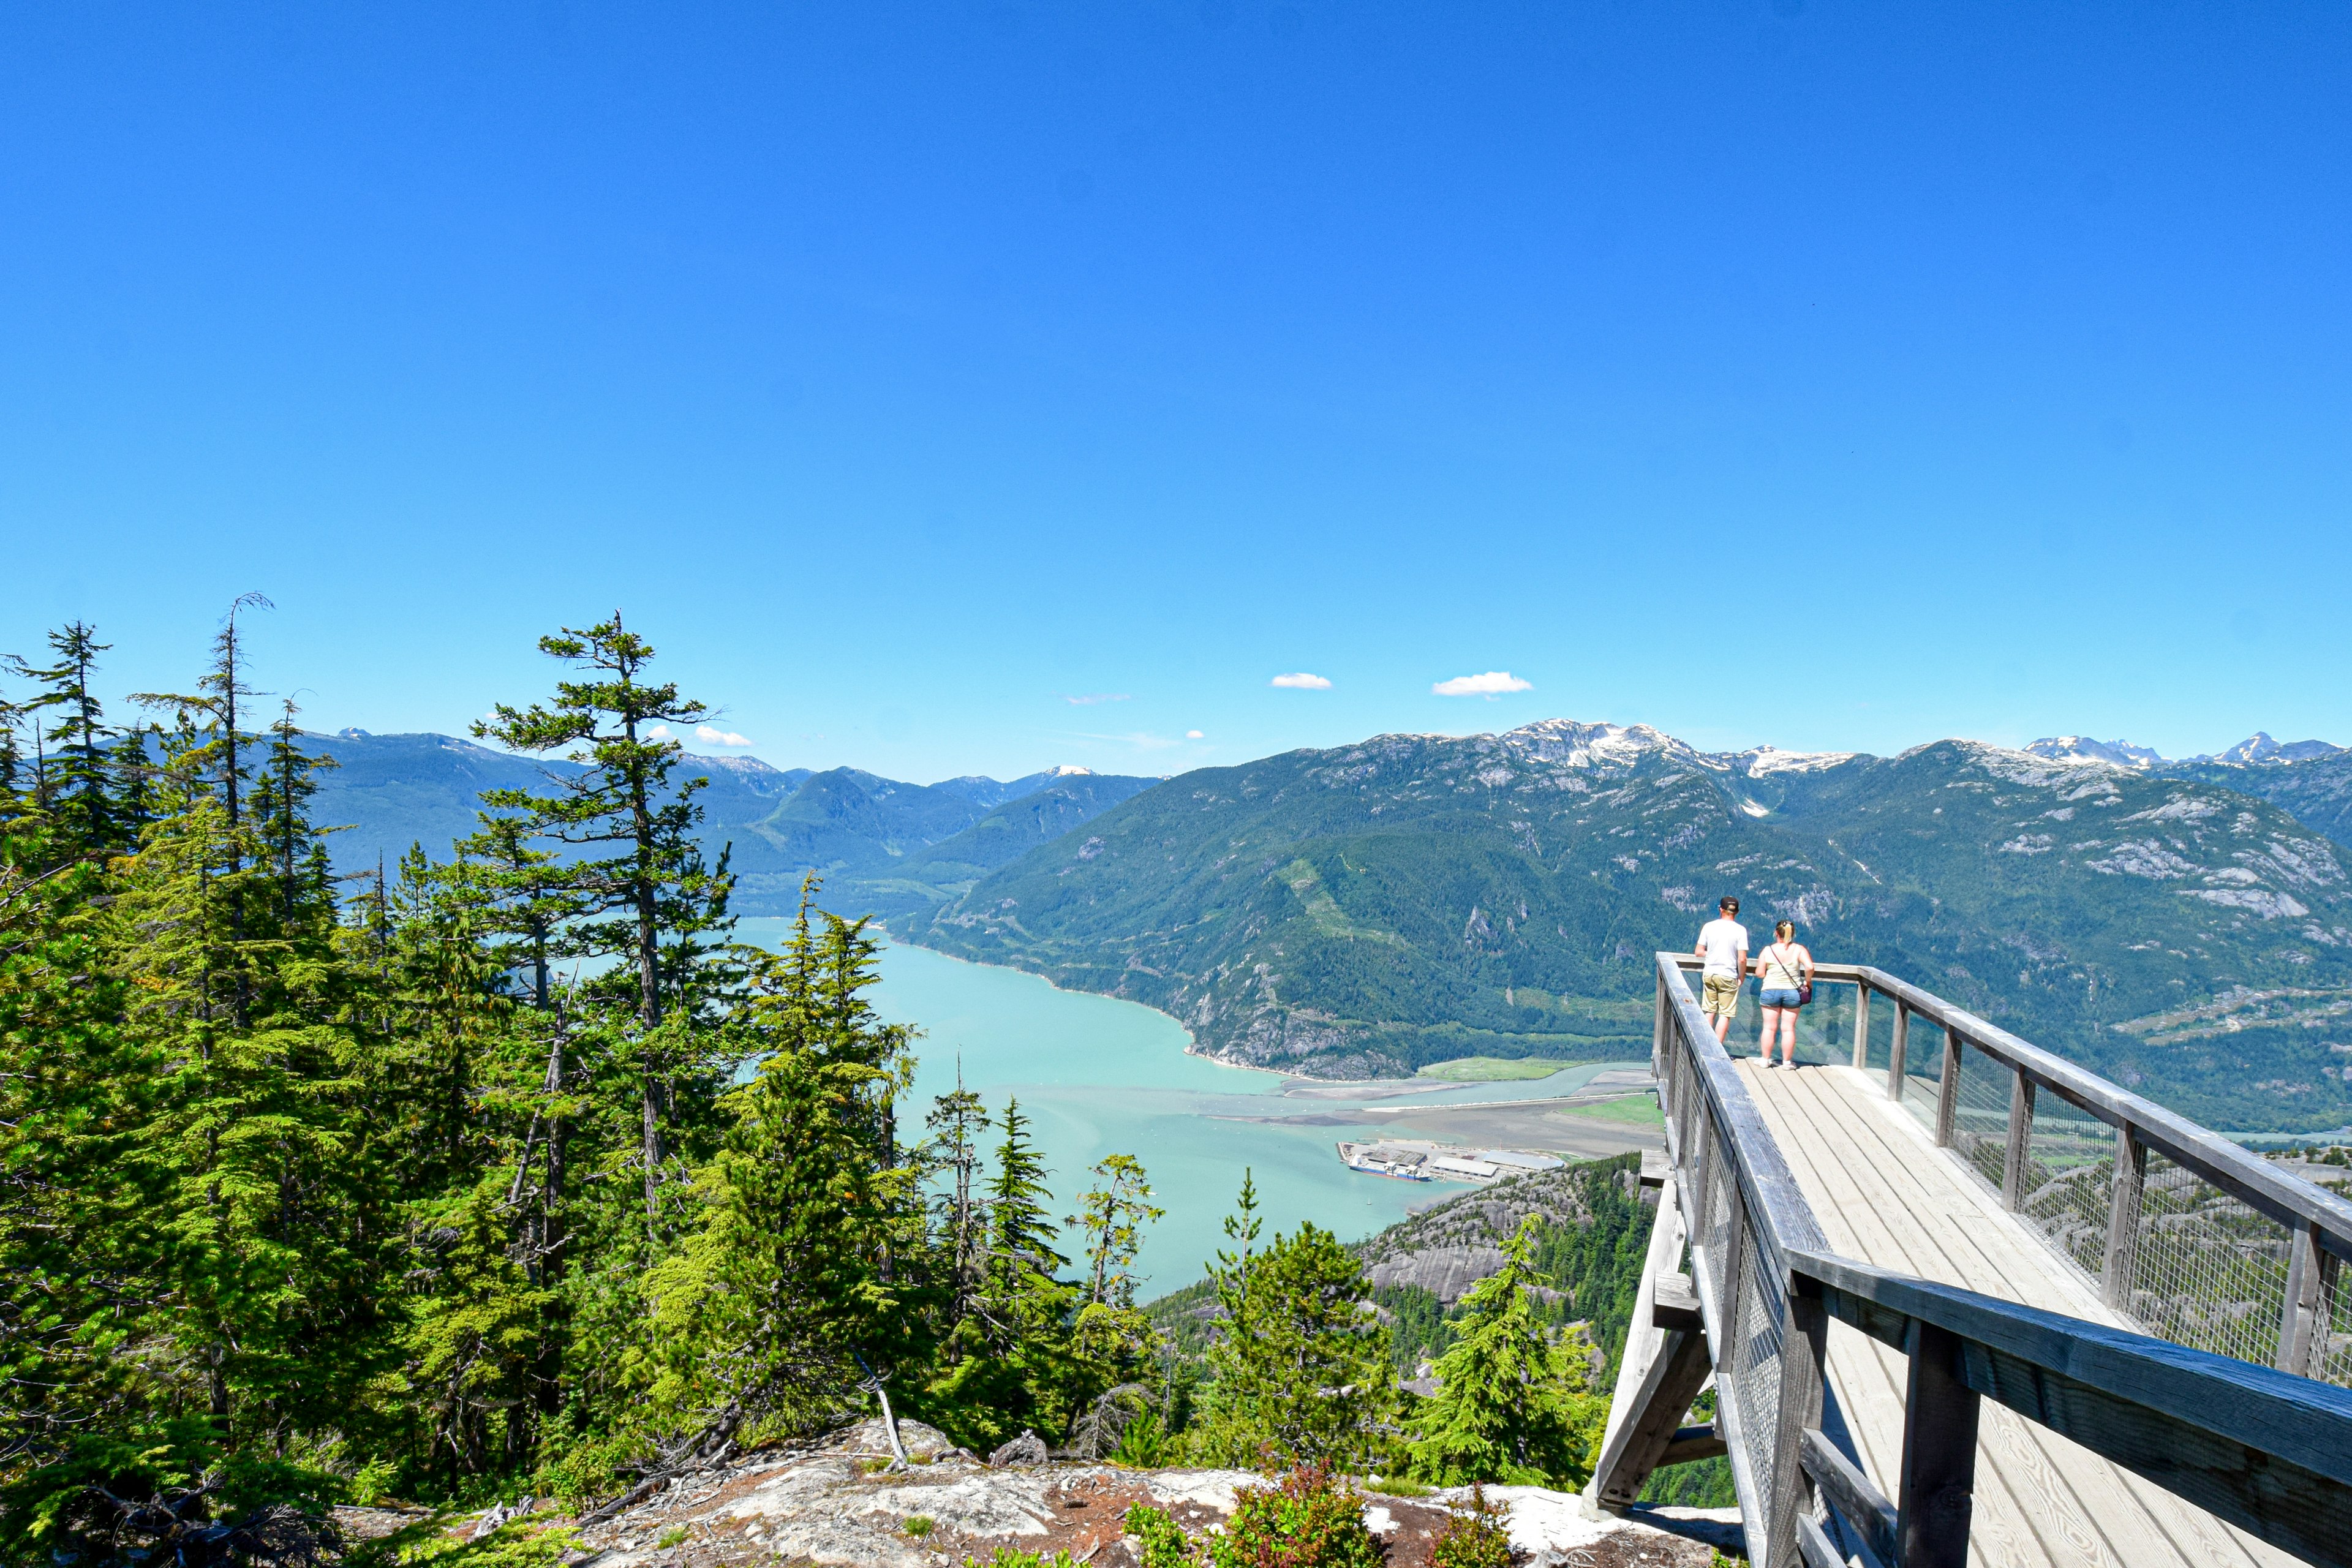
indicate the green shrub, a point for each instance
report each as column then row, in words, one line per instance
column 1477, row 1535
column 1013, row 1557
column 675, row 1535
column 519, row 1544
column 917, row 1524
column 1313, row 1519
column 1158, row 1540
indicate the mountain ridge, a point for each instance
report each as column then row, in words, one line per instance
column 1365, row 910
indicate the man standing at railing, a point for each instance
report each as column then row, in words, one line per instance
column 1723, row 943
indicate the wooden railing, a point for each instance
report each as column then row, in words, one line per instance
column 2265, row 1450
column 2317, row 1225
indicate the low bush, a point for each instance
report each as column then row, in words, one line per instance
column 917, row 1524
column 1477, row 1535
column 1159, row 1542
column 1313, row 1519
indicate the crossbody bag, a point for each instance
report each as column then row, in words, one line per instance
column 1789, row 971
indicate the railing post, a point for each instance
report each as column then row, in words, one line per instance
column 1894, row 1065
column 2121, row 1263
column 1861, row 1026
column 2021, row 1140
column 1939, row 1453
column 2299, row 1323
column 1947, row 1089
column 1804, row 1343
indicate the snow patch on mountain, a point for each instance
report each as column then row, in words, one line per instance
column 2083, row 748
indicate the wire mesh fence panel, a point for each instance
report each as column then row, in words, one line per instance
column 2331, row 1356
column 1923, row 1070
column 2210, row 1272
column 2070, row 1177
column 1756, row 1367
column 1981, row 1112
column 1716, row 1183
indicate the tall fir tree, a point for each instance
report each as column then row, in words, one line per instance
column 73, row 741
column 1299, row 1369
column 652, row 901
column 1514, row 1401
column 795, row 1283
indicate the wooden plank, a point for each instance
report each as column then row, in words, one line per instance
column 1948, row 1091
column 2252, row 1179
column 2041, row 1498
column 2019, row 1143
column 1643, row 1344
column 1674, row 1306
column 2300, row 1328
column 1691, row 1443
column 1939, row 1453
column 1858, row 1502
column 1896, row 1050
column 2119, row 1269
column 1803, row 1346
column 1659, row 1406
column 2294, row 1420
column 2034, row 1526
column 1814, row 1547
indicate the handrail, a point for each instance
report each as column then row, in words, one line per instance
column 2245, row 1176
column 2258, row 1447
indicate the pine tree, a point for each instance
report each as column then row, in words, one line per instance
column 1513, row 1403
column 653, row 900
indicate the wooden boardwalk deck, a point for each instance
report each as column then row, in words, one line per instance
column 1883, row 1193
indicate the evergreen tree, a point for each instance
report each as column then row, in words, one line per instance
column 1514, row 1401
column 76, row 780
column 793, row 1280
column 1300, row 1370
column 957, row 1121
column 1112, row 1216
column 652, row 900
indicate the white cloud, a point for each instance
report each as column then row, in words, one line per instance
column 658, row 732
column 1192, row 735
column 1490, row 685
column 712, row 735
column 1092, row 697
column 1302, row 681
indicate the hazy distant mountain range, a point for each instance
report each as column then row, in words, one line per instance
column 915, row 843
column 2183, row 925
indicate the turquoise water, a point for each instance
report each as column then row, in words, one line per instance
column 1098, row 1076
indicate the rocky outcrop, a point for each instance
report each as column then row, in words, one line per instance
column 844, row 1500
column 1450, row 1247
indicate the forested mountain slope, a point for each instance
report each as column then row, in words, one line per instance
column 2315, row 791
column 1369, row 908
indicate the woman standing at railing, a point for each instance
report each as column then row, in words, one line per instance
column 1786, row 971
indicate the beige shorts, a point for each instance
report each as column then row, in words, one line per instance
column 1722, row 995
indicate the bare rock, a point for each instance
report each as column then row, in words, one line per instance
column 1026, row 1450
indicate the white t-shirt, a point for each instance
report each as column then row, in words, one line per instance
column 1725, row 942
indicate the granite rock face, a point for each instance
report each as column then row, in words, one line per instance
column 842, row 1501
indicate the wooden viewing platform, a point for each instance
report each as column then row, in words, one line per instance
column 1925, row 1297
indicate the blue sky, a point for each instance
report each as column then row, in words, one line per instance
column 1816, row 374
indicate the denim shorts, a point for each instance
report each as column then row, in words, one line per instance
column 1777, row 997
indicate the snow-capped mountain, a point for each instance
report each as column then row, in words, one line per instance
column 2259, row 747
column 2083, row 748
